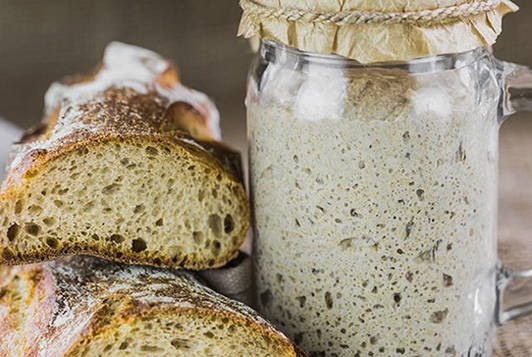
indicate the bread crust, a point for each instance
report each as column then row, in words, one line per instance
column 145, row 104
column 115, row 113
column 81, row 298
column 145, row 100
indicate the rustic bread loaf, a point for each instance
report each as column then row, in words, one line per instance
column 126, row 166
column 84, row 306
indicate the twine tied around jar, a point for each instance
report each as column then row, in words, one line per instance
column 355, row 17
column 387, row 32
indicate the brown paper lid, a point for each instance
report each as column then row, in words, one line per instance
column 376, row 30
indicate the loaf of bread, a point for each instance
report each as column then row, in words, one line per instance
column 84, row 306
column 125, row 166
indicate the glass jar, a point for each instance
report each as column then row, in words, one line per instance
column 374, row 190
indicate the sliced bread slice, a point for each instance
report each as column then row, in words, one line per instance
column 84, row 306
column 126, row 166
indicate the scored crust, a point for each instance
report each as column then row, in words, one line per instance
column 83, row 306
column 129, row 125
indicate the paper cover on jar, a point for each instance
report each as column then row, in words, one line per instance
column 376, row 30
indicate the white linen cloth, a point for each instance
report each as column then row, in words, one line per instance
column 9, row 134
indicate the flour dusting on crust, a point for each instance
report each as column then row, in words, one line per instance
column 132, row 93
column 136, row 68
column 71, row 292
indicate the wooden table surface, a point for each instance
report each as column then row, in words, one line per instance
column 515, row 338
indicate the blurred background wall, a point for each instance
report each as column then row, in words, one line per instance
column 41, row 41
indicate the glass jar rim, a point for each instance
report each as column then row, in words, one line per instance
column 274, row 51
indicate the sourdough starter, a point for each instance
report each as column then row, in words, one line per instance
column 374, row 195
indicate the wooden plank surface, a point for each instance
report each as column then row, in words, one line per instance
column 515, row 338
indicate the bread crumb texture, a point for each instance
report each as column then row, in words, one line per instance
column 125, row 166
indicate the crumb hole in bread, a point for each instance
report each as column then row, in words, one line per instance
column 116, row 238
column 34, row 209
column 18, row 206
column 138, row 209
column 88, row 206
column 198, row 237
column 201, row 195
column 63, row 191
column 52, row 242
column 110, row 189
column 151, row 151
column 147, row 348
column 229, row 224
column 58, row 203
column 215, row 224
column 159, row 222
column 216, row 247
column 49, row 221
column 12, row 232
column 123, row 345
column 32, row 229
column 180, row 344
column 214, row 193
column 219, row 177
column 170, row 182
column 138, row 245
